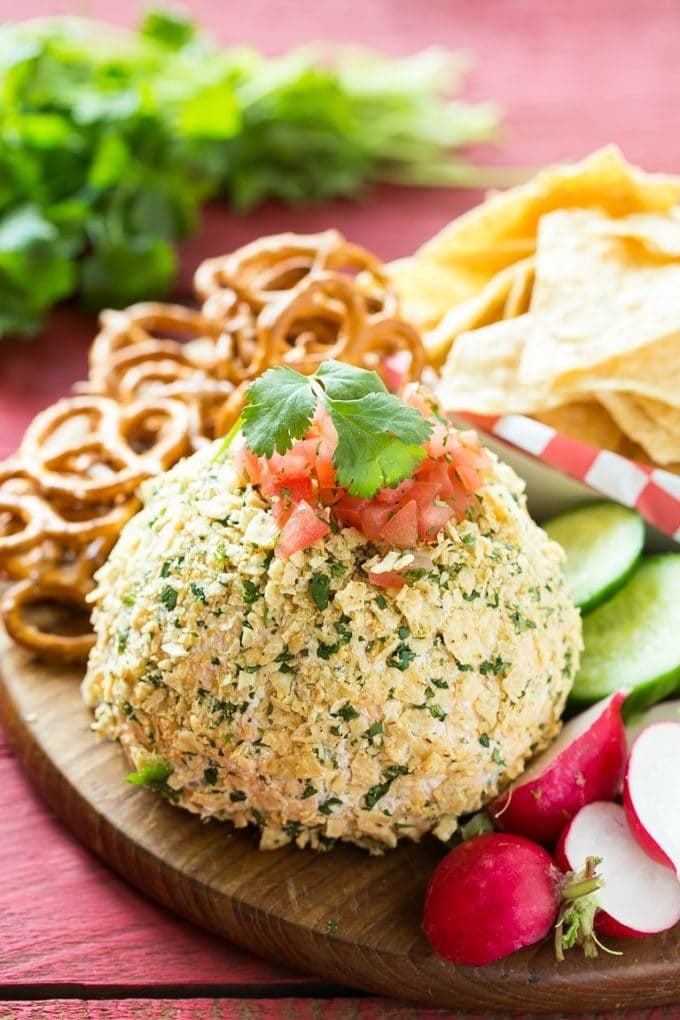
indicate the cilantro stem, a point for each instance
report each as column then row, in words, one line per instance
column 223, row 448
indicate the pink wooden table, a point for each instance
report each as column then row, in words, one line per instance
column 572, row 75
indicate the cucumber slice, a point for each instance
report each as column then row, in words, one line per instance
column 603, row 543
column 632, row 642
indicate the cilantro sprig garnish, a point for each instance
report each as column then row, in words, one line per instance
column 380, row 439
column 110, row 142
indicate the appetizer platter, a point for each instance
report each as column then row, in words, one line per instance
column 325, row 623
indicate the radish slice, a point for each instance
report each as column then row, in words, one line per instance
column 651, row 792
column 639, row 897
column 585, row 763
column 665, row 711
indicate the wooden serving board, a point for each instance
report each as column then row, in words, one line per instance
column 343, row 915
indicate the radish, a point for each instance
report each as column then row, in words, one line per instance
column 639, row 896
column 497, row 893
column 665, row 711
column 585, row 763
column 651, row 792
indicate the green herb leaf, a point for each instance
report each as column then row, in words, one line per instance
column 379, row 437
column 111, row 140
column 379, row 441
column 168, row 597
column 152, row 776
column 279, row 409
column 320, row 589
column 347, row 382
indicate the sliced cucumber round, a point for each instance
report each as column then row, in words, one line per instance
column 603, row 543
column 632, row 642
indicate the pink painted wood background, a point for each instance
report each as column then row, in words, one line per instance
column 572, row 75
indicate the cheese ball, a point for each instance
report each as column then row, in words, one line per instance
column 296, row 695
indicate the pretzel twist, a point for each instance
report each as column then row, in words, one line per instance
column 90, row 449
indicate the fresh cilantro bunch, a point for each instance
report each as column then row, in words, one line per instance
column 380, row 439
column 111, row 140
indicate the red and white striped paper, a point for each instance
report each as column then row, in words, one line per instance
column 654, row 493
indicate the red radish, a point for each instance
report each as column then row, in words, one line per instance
column 495, row 894
column 584, row 764
column 665, row 711
column 651, row 792
column 639, row 896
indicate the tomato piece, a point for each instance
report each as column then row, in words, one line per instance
column 402, row 529
column 435, row 472
column 431, row 519
column 373, row 518
column 423, row 399
column 390, row 579
column 389, row 496
column 442, row 442
column 348, row 510
column 325, row 473
column 470, row 468
column 250, row 466
column 424, row 493
column 394, row 369
column 303, row 528
column 293, row 463
column 286, row 495
column 348, row 518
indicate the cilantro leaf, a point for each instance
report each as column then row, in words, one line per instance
column 346, row 382
column 379, row 437
column 379, row 441
column 279, row 409
column 131, row 132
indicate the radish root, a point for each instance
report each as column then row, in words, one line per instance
column 575, row 920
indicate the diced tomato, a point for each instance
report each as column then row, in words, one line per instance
column 288, row 493
column 423, row 399
column 390, row 579
column 402, row 529
column 424, row 493
column 374, row 517
column 293, row 463
column 325, row 473
column 471, row 463
column 250, row 465
column 432, row 518
column 441, row 488
column 303, row 529
column 389, row 496
column 435, row 472
column 441, row 443
column 394, row 370
column 348, row 510
column 348, row 518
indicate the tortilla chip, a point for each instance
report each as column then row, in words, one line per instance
column 635, row 452
column 659, row 234
column 588, row 422
column 490, row 305
column 519, row 297
column 652, row 424
column 594, row 299
column 481, row 374
column 459, row 261
column 652, row 372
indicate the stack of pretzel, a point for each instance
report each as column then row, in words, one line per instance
column 163, row 380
